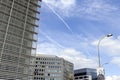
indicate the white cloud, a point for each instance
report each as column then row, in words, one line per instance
column 95, row 9
column 48, row 48
column 114, row 77
column 91, row 9
column 110, row 45
column 94, row 6
column 70, row 54
column 78, row 58
column 61, row 6
column 52, row 40
column 116, row 60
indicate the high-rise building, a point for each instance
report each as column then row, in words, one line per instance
column 49, row 67
column 85, row 74
column 18, row 36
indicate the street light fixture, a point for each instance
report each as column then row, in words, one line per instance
column 104, row 64
column 100, row 69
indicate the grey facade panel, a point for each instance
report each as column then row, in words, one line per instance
column 17, row 31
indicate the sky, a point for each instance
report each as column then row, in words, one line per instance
column 72, row 28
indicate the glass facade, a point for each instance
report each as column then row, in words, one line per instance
column 85, row 74
column 17, row 38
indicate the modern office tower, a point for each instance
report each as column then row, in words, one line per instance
column 18, row 33
column 85, row 74
column 49, row 67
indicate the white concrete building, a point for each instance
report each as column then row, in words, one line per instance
column 49, row 67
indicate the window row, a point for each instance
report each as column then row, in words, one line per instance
column 22, row 60
column 32, row 13
column 8, row 68
column 37, row 70
column 18, row 15
column 34, row 1
column 13, row 59
column 25, row 3
column 20, row 24
column 54, row 79
column 14, row 40
column 11, row 68
column 49, row 59
column 54, row 63
column 20, row 7
column 24, row 9
column 29, row 27
column 24, row 52
column 16, row 49
column 19, row 32
column 40, row 66
column 39, row 78
column 17, row 18
column 40, row 74
column 4, row 17
column 53, row 70
column 5, row 8
column 22, row 17
column 53, row 74
column 59, row 67
column 7, row 2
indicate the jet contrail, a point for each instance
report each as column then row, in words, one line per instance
column 53, row 41
column 65, row 23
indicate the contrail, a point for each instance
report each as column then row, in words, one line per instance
column 53, row 41
column 65, row 23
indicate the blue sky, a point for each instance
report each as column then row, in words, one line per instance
column 71, row 29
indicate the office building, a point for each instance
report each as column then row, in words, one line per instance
column 49, row 67
column 18, row 37
column 85, row 74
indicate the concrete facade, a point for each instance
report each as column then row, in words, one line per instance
column 50, row 67
column 18, row 37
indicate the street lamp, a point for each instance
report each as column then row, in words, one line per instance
column 100, row 69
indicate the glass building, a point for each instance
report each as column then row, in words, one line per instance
column 85, row 74
column 18, row 37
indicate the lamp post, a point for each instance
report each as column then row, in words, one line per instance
column 100, row 68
